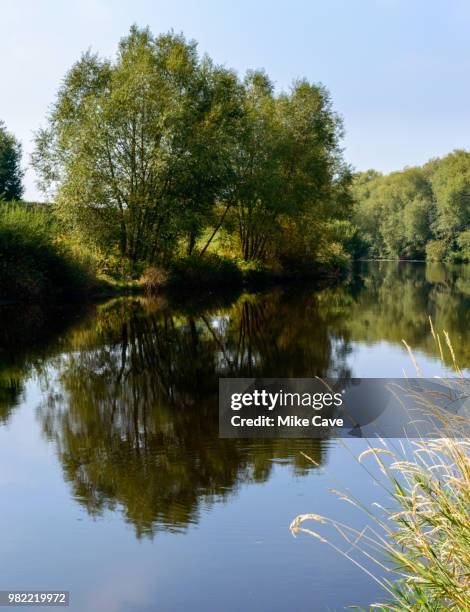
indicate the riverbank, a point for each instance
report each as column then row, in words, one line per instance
column 39, row 261
column 176, row 284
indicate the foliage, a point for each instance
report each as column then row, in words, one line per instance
column 436, row 250
column 32, row 265
column 394, row 212
column 463, row 241
column 450, row 180
column 11, row 174
column 157, row 153
column 417, row 212
column 256, row 273
column 153, row 279
column 193, row 272
column 288, row 168
column 312, row 244
column 134, row 150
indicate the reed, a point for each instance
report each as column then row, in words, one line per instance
column 418, row 546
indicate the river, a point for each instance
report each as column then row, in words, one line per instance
column 114, row 484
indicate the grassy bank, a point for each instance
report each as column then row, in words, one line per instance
column 33, row 263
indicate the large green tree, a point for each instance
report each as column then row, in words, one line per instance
column 394, row 213
column 152, row 154
column 288, row 166
column 315, row 179
column 11, row 174
column 135, row 149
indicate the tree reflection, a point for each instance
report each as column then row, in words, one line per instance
column 398, row 299
column 134, row 409
column 131, row 388
column 29, row 335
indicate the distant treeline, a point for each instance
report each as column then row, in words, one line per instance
column 420, row 212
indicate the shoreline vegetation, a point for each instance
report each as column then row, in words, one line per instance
column 165, row 171
column 36, row 264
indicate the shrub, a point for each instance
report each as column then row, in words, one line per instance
column 335, row 257
column 32, row 265
column 209, row 270
column 153, row 279
column 463, row 241
column 436, row 250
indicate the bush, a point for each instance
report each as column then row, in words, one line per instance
column 32, row 266
column 436, row 250
column 256, row 273
column 464, row 243
column 153, row 279
column 335, row 257
column 209, row 270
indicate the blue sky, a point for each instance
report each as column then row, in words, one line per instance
column 398, row 70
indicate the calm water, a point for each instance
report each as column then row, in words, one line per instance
column 113, row 482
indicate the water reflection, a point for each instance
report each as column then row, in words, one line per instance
column 133, row 409
column 130, row 389
column 29, row 335
column 398, row 299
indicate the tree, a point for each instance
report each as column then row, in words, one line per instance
column 152, row 154
column 11, row 174
column 288, row 167
column 450, row 180
column 418, row 211
column 367, row 213
column 394, row 212
column 315, row 179
column 135, row 149
column 256, row 196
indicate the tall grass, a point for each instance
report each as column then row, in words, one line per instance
column 33, row 264
column 419, row 544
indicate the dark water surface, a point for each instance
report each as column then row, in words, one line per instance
column 114, row 484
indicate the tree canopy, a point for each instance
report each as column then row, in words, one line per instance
column 11, row 174
column 418, row 212
column 160, row 153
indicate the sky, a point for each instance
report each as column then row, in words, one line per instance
column 397, row 70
